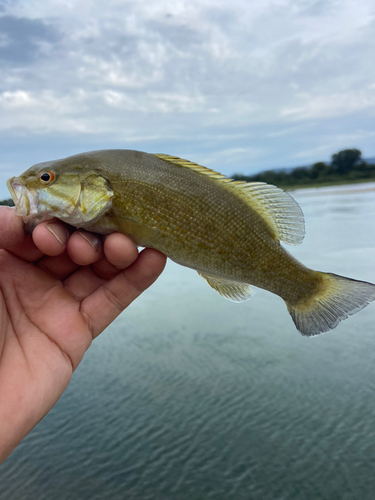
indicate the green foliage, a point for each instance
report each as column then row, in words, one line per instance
column 319, row 170
column 344, row 161
column 346, row 166
column 8, row 202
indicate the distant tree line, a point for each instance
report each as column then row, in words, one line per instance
column 345, row 166
column 8, row 202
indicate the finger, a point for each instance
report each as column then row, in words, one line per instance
column 105, row 270
column 47, row 238
column 51, row 237
column 80, row 248
column 11, row 228
column 109, row 300
column 120, row 250
column 89, row 278
column 60, row 267
column 83, row 283
column 84, row 248
column 26, row 250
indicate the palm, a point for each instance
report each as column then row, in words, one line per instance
column 45, row 333
column 51, row 308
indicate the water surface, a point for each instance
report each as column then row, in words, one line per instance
column 189, row 396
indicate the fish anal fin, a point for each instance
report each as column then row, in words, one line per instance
column 231, row 290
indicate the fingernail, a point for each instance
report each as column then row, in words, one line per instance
column 92, row 239
column 59, row 232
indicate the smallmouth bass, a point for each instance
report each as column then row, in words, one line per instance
column 229, row 231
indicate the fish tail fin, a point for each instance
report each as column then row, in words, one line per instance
column 338, row 298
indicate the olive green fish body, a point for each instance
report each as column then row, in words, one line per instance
column 201, row 223
column 228, row 231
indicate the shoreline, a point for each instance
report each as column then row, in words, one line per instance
column 347, row 188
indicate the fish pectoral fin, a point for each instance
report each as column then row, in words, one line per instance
column 231, row 290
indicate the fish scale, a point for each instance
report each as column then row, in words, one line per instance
column 229, row 231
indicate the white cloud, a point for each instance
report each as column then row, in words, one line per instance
column 16, row 99
column 332, row 105
column 227, row 76
column 117, row 73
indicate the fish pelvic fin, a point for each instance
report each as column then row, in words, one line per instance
column 231, row 290
column 340, row 297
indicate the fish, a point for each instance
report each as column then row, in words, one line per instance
column 229, row 231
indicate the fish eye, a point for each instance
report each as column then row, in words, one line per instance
column 46, row 177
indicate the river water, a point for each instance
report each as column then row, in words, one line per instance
column 188, row 396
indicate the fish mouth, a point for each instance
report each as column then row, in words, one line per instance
column 25, row 201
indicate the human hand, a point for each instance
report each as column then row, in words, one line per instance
column 57, row 293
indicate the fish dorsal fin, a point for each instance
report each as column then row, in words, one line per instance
column 231, row 290
column 193, row 166
column 278, row 208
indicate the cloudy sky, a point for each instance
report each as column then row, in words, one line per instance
column 239, row 86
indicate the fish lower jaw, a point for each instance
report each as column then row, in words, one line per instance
column 25, row 201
